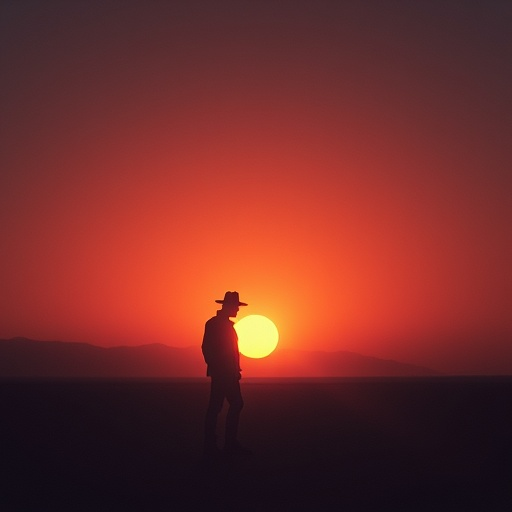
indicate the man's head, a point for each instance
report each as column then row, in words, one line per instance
column 231, row 303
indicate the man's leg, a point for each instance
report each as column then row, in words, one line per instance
column 212, row 413
column 236, row 403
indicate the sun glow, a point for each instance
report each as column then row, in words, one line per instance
column 257, row 336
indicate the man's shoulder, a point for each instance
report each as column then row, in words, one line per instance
column 218, row 321
column 213, row 322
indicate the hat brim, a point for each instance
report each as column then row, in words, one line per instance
column 222, row 301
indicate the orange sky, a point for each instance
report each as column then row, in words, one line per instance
column 346, row 168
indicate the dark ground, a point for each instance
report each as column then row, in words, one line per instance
column 441, row 444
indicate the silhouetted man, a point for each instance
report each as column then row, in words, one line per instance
column 220, row 351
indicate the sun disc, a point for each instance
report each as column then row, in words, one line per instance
column 257, row 336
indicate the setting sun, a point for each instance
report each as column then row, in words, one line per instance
column 257, row 336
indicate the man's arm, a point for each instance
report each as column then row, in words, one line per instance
column 218, row 352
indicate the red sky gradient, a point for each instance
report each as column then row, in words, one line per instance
column 346, row 166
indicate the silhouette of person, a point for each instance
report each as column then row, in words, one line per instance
column 220, row 351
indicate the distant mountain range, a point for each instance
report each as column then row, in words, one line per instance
column 25, row 358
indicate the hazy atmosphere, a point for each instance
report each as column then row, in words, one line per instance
column 346, row 166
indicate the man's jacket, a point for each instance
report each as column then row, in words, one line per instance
column 220, row 348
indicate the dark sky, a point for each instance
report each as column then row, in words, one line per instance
column 345, row 165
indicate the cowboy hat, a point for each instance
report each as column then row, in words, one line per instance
column 231, row 298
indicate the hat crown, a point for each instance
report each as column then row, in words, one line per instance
column 231, row 298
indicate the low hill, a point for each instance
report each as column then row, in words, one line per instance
column 24, row 358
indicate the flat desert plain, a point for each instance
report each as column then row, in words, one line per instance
column 374, row 444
